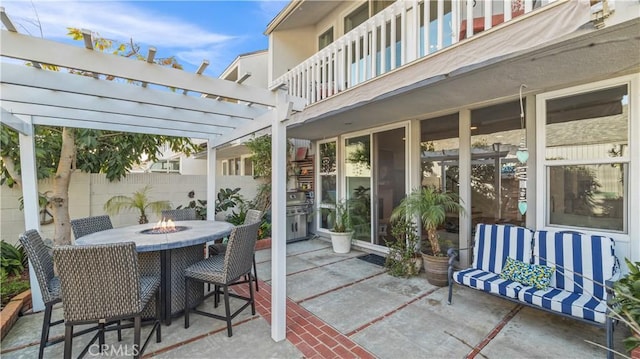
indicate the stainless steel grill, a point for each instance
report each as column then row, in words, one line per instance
column 298, row 207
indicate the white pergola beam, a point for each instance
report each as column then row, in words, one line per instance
column 115, row 121
column 150, row 56
column 199, row 71
column 15, row 122
column 245, row 76
column 64, row 82
column 259, row 123
column 6, row 21
column 65, row 122
column 18, row 46
column 12, row 94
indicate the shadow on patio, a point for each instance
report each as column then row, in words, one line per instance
column 341, row 306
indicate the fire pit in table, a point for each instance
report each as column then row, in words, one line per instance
column 164, row 227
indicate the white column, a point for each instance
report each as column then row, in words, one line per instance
column 30, row 196
column 465, row 186
column 211, row 181
column 278, row 219
column 414, row 160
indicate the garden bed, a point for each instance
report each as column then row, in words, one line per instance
column 12, row 310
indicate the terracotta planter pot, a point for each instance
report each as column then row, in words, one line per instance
column 436, row 269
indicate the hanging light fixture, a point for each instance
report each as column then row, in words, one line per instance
column 523, row 153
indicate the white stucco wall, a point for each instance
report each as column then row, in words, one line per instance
column 89, row 192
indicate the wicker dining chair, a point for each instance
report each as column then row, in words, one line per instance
column 253, row 216
column 183, row 214
column 87, row 225
column 224, row 271
column 42, row 264
column 100, row 284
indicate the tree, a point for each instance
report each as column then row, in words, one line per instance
column 62, row 150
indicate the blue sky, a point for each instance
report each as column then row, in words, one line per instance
column 190, row 30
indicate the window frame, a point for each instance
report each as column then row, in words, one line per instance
column 543, row 214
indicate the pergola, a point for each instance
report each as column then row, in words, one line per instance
column 200, row 107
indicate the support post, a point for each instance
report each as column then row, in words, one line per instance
column 211, row 182
column 30, row 196
column 278, row 217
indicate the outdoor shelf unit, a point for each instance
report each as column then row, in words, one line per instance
column 303, row 171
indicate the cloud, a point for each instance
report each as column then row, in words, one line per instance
column 116, row 21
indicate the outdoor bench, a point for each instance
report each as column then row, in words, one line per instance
column 565, row 273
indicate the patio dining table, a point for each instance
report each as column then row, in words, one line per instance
column 168, row 255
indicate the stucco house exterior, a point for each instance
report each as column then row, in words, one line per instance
column 531, row 115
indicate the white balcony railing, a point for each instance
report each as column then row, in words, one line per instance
column 368, row 50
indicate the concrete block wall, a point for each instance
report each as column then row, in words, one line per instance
column 89, row 192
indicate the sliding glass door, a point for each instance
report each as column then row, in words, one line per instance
column 375, row 177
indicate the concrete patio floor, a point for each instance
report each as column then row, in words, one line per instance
column 343, row 307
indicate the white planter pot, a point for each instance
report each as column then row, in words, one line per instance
column 341, row 241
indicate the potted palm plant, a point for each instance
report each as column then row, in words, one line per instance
column 138, row 201
column 342, row 230
column 430, row 206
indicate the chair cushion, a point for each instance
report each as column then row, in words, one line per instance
column 495, row 242
column 538, row 276
column 209, row 270
column 487, row 281
column 148, row 287
column 583, row 262
column 558, row 300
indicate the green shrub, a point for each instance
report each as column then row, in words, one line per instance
column 403, row 250
column 627, row 303
column 12, row 258
column 11, row 286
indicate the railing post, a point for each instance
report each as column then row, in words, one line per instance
column 426, row 9
column 469, row 20
column 440, row 22
column 348, row 63
column 488, row 15
column 507, row 10
column 393, row 41
column 383, row 46
column 416, row 30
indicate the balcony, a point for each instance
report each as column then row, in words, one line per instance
column 393, row 38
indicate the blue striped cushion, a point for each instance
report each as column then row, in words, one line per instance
column 575, row 304
column 495, row 242
column 583, row 262
column 487, row 281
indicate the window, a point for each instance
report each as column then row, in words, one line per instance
column 356, row 17
column 325, row 39
column 248, row 166
column 496, row 134
column 587, row 159
column 232, row 166
column 165, row 166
